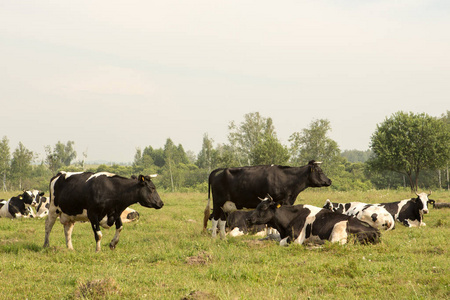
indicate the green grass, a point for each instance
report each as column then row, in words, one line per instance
column 165, row 256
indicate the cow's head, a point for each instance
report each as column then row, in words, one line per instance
column 28, row 198
column 316, row 176
column 36, row 195
column 422, row 201
column 264, row 212
column 148, row 195
column 328, row 205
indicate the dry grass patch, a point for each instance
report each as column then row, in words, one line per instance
column 201, row 259
column 97, row 289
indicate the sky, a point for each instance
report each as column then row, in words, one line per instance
column 114, row 76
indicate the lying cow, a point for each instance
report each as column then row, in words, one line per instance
column 129, row 215
column 409, row 211
column 237, row 224
column 43, row 206
column 96, row 197
column 300, row 223
column 17, row 207
column 375, row 216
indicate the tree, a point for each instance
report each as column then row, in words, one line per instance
column 245, row 137
column 205, row 156
column 314, row 144
column 21, row 164
column 62, row 155
column 269, row 151
column 5, row 160
column 409, row 143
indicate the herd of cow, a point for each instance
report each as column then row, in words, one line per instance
column 103, row 199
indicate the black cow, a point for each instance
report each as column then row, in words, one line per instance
column 409, row 211
column 96, row 197
column 237, row 188
column 300, row 223
column 17, row 207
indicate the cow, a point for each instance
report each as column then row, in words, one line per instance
column 99, row 198
column 375, row 216
column 18, row 206
column 129, row 215
column 237, row 188
column 301, row 223
column 43, row 206
column 409, row 211
column 238, row 225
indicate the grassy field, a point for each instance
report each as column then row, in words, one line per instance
column 164, row 255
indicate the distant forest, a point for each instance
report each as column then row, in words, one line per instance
column 407, row 151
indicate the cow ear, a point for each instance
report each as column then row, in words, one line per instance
column 41, row 194
column 141, row 179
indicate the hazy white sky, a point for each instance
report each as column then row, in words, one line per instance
column 116, row 75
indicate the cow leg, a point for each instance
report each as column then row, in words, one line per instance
column 97, row 234
column 115, row 239
column 49, row 222
column 222, row 228
column 214, row 228
column 68, row 228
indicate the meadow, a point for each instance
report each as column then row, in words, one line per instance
column 165, row 255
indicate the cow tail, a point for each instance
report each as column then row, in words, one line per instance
column 207, row 210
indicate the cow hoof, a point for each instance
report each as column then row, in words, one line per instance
column 112, row 247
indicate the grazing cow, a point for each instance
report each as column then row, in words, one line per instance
column 237, row 188
column 409, row 211
column 300, row 223
column 375, row 216
column 96, row 197
column 238, row 225
column 17, row 207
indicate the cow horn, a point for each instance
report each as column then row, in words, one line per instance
column 430, row 193
column 416, row 193
column 153, row 175
column 317, row 162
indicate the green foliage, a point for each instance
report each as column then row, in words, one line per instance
column 245, row 138
column 409, row 143
column 61, row 156
column 5, row 158
column 21, row 165
column 313, row 144
column 164, row 255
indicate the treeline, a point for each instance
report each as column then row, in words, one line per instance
column 407, row 151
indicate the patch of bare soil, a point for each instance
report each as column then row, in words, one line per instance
column 97, row 289
column 201, row 259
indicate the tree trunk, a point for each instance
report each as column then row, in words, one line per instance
column 4, row 183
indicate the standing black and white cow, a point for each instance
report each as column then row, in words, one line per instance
column 237, row 188
column 18, row 207
column 96, row 197
column 300, row 223
column 376, row 216
column 409, row 211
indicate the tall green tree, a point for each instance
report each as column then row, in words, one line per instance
column 5, row 160
column 21, row 164
column 61, row 155
column 246, row 137
column 269, row 151
column 205, row 156
column 313, row 143
column 408, row 143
